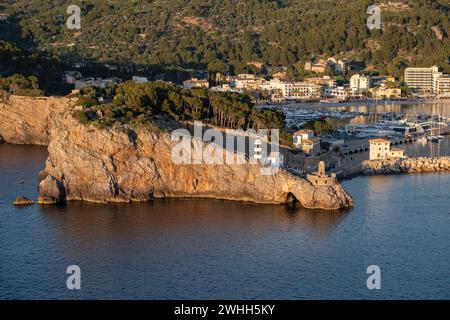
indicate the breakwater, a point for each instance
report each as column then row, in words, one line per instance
column 408, row 165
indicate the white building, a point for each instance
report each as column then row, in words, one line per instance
column 226, row 88
column 98, row 82
column 137, row 79
column 195, row 83
column 246, row 81
column 421, row 80
column 359, row 84
column 338, row 65
column 381, row 149
column 307, row 141
column 290, row 90
column 72, row 76
column 325, row 81
column 441, row 84
column 304, row 91
column 340, row 93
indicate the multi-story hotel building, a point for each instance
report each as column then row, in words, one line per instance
column 359, row 83
column 421, row 80
column 442, row 85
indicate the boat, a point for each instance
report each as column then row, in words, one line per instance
column 433, row 138
column 422, row 140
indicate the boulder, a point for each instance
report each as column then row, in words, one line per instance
column 22, row 201
column 47, row 200
column 50, row 191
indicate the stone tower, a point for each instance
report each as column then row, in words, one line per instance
column 321, row 170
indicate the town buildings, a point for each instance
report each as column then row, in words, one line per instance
column 248, row 82
column 385, row 88
column 325, row 81
column 97, row 82
column 75, row 78
column 381, row 149
column 340, row 93
column 385, row 93
column 195, row 83
column 279, row 89
column 337, row 65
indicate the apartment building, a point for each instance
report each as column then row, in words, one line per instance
column 290, row 90
column 441, row 83
column 359, row 83
column 421, row 80
column 340, row 93
column 246, row 81
column 305, row 91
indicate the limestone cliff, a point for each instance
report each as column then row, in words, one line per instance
column 27, row 120
column 123, row 164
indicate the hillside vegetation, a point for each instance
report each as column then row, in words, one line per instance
column 194, row 33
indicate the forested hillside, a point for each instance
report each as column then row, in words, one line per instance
column 193, row 33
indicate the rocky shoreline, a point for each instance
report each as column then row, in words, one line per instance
column 408, row 165
column 124, row 164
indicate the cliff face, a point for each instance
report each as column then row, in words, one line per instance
column 123, row 165
column 26, row 120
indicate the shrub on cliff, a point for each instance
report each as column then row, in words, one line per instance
column 81, row 116
column 29, row 92
column 21, row 85
column 224, row 109
column 87, row 102
column 138, row 103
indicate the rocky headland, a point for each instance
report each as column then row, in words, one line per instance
column 123, row 164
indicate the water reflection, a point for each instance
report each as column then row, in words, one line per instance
column 436, row 108
column 205, row 249
column 84, row 222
